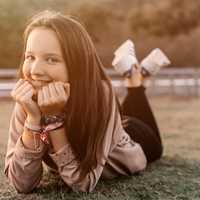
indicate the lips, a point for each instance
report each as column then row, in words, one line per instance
column 38, row 84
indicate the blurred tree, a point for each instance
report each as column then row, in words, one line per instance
column 93, row 16
column 161, row 18
column 13, row 17
column 150, row 23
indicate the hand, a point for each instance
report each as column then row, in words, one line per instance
column 23, row 93
column 53, row 97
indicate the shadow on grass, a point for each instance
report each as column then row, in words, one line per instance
column 169, row 178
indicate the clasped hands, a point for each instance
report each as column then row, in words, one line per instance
column 51, row 99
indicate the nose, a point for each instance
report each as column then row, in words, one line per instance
column 36, row 68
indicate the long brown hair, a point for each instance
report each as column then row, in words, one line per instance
column 88, row 108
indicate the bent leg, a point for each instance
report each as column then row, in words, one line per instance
column 146, row 137
column 141, row 124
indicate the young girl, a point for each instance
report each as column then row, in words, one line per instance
column 67, row 116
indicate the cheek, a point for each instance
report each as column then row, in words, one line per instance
column 65, row 75
column 26, row 70
column 61, row 74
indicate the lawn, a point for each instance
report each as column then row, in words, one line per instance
column 175, row 176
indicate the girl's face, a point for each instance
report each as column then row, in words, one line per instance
column 44, row 61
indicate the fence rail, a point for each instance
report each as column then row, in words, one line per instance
column 173, row 81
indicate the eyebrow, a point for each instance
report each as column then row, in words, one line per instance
column 45, row 54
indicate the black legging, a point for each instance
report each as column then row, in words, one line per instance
column 139, row 122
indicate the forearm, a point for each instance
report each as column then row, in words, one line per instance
column 68, row 165
column 69, row 170
column 58, row 138
column 23, row 180
column 30, row 139
column 25, row 166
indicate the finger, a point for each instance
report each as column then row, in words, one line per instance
column 67, row 88
column 40, row 98
column 21, row 89
column 60, row 88
column 46, row 95
column 19, row 82
column 24, row 88
column 22, row 83
column 53, row 92
column 63, row 93
column 27, row 96
column 24, row 91
column 34, row 90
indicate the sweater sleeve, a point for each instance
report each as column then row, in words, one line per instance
column 126, row 158
column 23, row 166
column 117, row 147
column 68, row 165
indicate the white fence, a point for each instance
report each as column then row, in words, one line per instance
column 173, row 81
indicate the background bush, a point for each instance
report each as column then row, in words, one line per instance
column 172, row 25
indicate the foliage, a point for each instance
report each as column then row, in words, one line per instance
column 150, row 23
column 170, row 17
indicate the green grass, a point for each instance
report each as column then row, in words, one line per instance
column 169, row 178
column 175, row 176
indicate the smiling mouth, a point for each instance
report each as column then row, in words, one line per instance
column 38, row 84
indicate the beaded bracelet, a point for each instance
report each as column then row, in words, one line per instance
column 46, row 120
column 34, row 128
column 46, row 129
column 51, row 123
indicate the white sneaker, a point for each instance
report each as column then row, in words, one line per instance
column 151, row 64
column 125, row 58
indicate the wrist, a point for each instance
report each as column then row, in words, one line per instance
column 31, row 140
column 52, row 119
column 34, row 120
column 50, row 128
column 58, row 138
column 43, row 126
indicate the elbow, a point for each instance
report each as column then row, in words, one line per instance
column 23, row 185
column 24, row 189
column 141, row 164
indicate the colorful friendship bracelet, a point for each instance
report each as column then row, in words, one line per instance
column 49, row 123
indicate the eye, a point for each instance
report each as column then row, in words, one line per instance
column 29, row 58
column 52, row 60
